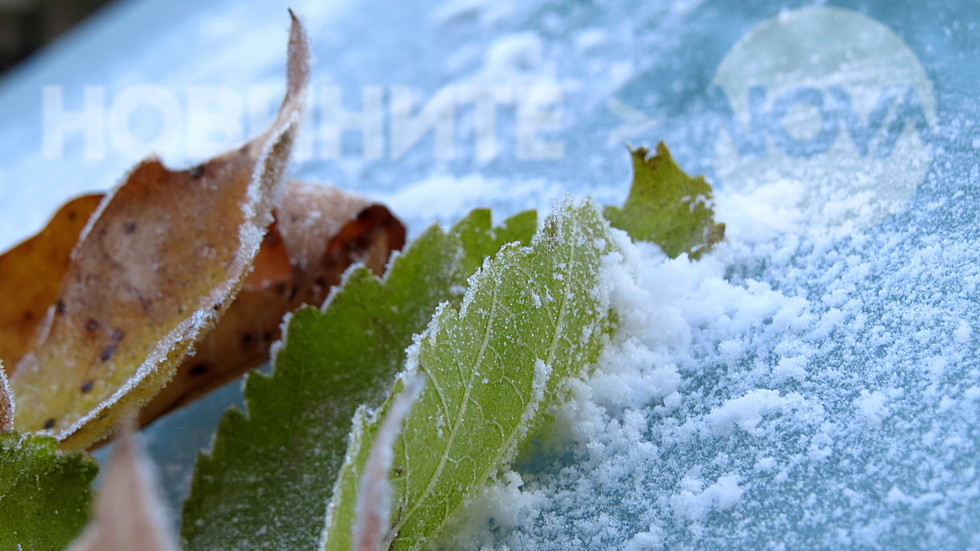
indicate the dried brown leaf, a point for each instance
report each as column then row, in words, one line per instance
column 324, row 231
column 161, row 258
column 128, row 511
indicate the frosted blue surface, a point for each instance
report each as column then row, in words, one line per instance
column 827, row 394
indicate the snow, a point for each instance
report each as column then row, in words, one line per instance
column 872, row 405
column 695, row 502
column 731, row 410
column 812, row 383
column 746, row 412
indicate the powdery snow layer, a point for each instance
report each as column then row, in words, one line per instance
column 783, row 393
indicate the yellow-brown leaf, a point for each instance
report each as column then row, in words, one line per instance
column 31, row 274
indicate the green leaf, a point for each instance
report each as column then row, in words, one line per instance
column 667, row 206
column 44, row 493
column 532, row 318
column 268, row 479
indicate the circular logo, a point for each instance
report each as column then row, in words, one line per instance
column 826, row 124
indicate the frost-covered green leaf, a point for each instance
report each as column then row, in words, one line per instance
column 268, row 479
column 532, row 317
column 667, row 206
column 44, row 493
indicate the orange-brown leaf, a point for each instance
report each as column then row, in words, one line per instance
column 162, row 258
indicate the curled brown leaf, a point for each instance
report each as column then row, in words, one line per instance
column 160, row 259
column 319, row 232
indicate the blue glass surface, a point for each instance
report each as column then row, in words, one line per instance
column 893, row 299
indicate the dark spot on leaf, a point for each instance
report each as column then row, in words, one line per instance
column 281, row 288
column 198, row 369
column 267, row 336
column 49, row 424
column 91, row 325
column 246, row 341
column 320, row 281
column 107, row 352
column 72, row 215
column 59, row 306
column 28, row 315
column 87, row 387
column 196, row 172
column 217, row 306
column 293, row 291
column 129, row 227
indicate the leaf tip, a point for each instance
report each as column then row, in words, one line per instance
column 298, row 57
column 128, row 512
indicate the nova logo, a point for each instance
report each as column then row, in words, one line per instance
column 876, row 134
column 826, row 120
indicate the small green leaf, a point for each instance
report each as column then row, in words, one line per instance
column 667, row 206
column 44, row 493
column 268, row 479
column 532, row 318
